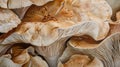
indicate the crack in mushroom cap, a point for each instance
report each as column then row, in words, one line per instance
column 58, row 19
column 78, row 60
column 8, row 20
column 12, row 4
column 107, row 51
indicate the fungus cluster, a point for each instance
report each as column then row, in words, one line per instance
column 59, row 33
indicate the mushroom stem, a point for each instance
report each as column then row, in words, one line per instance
column 52, row 61
column 53, row 52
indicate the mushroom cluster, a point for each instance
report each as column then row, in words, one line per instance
column 59, row 33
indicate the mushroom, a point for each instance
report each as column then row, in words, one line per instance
column 107, row 51
column 81, row 61
column 12, row 4
column 21, row 55
column 52, row 52
column 8, row 20
column 42, row 26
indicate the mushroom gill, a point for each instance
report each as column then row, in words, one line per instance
column 52, row 52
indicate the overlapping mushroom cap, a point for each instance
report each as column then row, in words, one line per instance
column 81, row 61
column 8, row 20
column 12, row 4
column 44, row 25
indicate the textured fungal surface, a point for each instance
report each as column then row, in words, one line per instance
column 59, row 33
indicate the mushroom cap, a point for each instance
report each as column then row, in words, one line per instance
column 44, row 25
column 8, row 20
column 12, row 4
column 22, row 58
column 81, row 61
column 36, row 61
column 83, row 42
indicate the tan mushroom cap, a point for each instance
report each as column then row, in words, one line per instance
column 21, row 58
column 8, row 20
column 81, row 61
column 12, row 4
column 83, row 42
column 58, row 19
column 107, row 51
